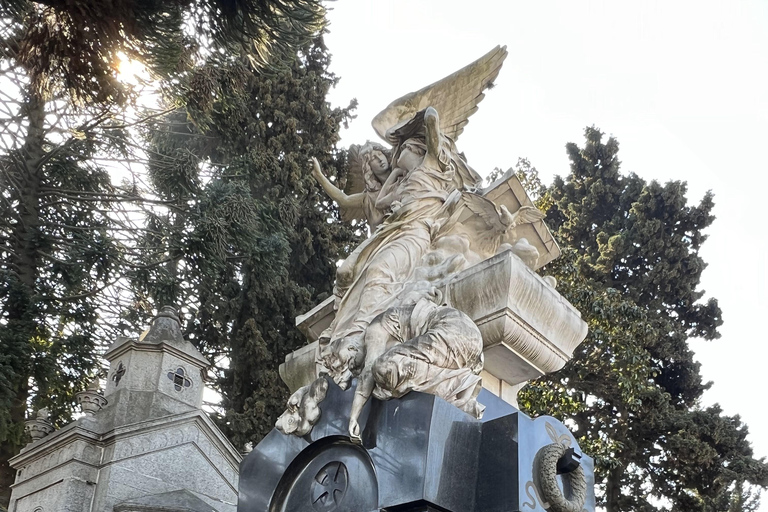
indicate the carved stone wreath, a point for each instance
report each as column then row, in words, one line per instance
column 545, row 469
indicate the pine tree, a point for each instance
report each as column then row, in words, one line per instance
column 60, row 247
column 76, row 45
column 630, row 264
column 253, row 242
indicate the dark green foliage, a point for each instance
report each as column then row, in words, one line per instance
column 630, row 264
column 57, row 253
column 76, row 45
column 249, row 246
column 66, row 236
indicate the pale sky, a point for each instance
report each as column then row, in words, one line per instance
column 683, row 86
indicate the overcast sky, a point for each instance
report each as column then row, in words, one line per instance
column 683, row 86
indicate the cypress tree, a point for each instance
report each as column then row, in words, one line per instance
column 252, row 242
column 631, row 265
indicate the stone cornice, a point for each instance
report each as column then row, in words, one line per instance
column 138, row 346
column 76, row 431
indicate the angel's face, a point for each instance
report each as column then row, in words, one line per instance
column 379, row 165
column 411, row 156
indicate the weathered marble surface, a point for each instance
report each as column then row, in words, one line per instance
column 437, row 237
column 528, row 328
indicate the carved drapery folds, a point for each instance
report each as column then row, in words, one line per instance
column 397, row 325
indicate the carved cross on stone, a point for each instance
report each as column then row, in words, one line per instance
column 118, row 373
column 179, row 379
column 329, row 487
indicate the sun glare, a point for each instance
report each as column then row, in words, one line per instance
column 130, row 71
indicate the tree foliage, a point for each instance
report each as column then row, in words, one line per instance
column 77, row 45
column 67, row 232
column 62, row 224
column 630, row 264
column 248, row 245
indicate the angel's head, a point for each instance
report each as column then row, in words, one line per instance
column 345, row 359
column 375, row 162
column 411, row 153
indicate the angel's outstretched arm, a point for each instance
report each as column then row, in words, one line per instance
column 388, row 191
column 432, row 126
column 343, row 200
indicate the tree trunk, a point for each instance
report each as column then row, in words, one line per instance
column 24, row 265
column 613, row 489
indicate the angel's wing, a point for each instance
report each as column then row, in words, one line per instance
column 485, row 209
column 355, row 180
column 455, row 97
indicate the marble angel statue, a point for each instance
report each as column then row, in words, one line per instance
column 368, row 171
column 426, row 169
column 391, row 330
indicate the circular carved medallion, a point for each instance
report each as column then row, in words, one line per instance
column 334, row 476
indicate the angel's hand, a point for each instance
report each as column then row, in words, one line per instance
column 431, row 118
column 354, row 432
column 330, row 189
column 397, row 172
column 316, row 170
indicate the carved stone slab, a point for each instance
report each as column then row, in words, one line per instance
column 528, row 328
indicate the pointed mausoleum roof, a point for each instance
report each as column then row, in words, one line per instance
column 145, row 444
column 165, row 329
column 174, row 501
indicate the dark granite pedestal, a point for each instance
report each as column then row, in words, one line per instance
column 419, row 454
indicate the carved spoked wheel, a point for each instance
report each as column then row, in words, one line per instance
column 336, row 477
column 573, row 495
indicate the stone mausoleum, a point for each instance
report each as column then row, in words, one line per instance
column 144, row 445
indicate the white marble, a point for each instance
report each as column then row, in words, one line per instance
column 446, row 278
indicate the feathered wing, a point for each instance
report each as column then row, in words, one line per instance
column 355, row 179
column 485, row 209
column 526, row 214
column 455, row 97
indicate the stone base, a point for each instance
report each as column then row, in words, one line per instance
column 418, row 453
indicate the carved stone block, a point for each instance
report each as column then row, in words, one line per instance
column 528, row 328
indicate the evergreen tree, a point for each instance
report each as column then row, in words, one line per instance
column 630, row 264
column 60, row 247
column 66, row 235
column 249, row 245
column 76, row 45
